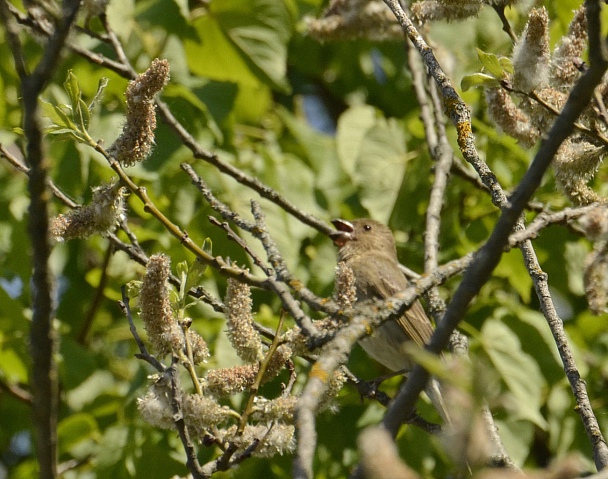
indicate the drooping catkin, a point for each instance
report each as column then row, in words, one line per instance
column 242, row 335
column 164, row 332
column 137, row 138
column 101, row 215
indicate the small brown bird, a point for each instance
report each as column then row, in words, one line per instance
column 368, row 248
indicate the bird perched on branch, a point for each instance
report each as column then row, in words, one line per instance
column 367, row 247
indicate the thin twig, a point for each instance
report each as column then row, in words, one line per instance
column 178, row 417
column 143, row 351
column 242, row 243
column 17, row 392
column 13, row 160
column 506, row 26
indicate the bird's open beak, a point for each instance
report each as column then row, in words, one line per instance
column 345, row 233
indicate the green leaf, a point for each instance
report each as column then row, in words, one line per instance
column 575, row 256
column 182, row 274
column 261, row 30
column 478, row 79
column 506, row 64
column 243, row 42
column 353, row 124
column 103, row 83
column 562, row 425
column 112, row 446
column 73, row 90
column 537, row 340
column 519, row 372
column 372, row 151
column 83, row 115
column 221, row 59
column 491, row 63
column 517, row 437
column 512, row 268
column 58, row 117
column 180, row 91
column 207, row 246
column 12, row 367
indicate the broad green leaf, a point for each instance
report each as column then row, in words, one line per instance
column 261, row 30
column 517, row 438
column 372, row 151
column 56, row 114
column 519, row 372
column 214, row 56
column 561, row 424
column 506, row 64
column 120, row 16
column 196, row 272
column 89, row 390
column 112, row 446
column 491, row 63
column 537, row 340
column 478, row 79
column 353, row 124
column 319, row 152
column 187, row 94
column 575, row 257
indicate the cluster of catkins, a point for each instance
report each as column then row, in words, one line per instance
column 133, row 145
column 525, row 107
column 207, row 414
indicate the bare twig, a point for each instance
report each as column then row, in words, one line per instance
column 506, row 26
column 143, row 351
column 16, row 391
column 13, row 160
column 242, row 243
column 178, row 417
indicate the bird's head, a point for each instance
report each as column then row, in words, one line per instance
column 362, row 236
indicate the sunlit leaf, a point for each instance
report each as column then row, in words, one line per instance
column 478, row 79
column 491, row 63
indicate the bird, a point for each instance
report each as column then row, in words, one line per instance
column 368, row 248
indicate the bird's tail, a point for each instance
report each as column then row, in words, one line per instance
column 433, row 391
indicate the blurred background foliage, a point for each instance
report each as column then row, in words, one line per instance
column 335, row 129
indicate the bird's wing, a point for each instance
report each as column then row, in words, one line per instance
column 414, row 322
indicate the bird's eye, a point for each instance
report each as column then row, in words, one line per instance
column 367, row 227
